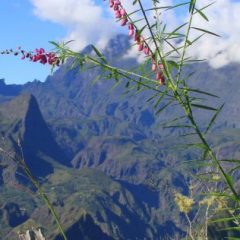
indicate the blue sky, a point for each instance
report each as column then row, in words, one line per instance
column 33, row 23
column 20, row 27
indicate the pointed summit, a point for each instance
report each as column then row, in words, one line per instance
column 21, row 119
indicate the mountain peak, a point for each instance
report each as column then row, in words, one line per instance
column 22, row 118
column 117, row 46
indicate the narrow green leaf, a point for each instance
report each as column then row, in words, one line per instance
column 187, row 134
column 99, row 54
column 201, row 14
column 134, row 2
column 196, row 145
column 172, row 121
column 173, row 63
column 203, row 107
column 229, row 180
column 175, row 30
column 200, row 91
column 205, row 154
column 178, row 5
column 167, row 7
column 234, row 169
column 230, row 160
column 160, row 99
column 142, row 29
column 206, row 31
column 226, row 219
column 178, row 126
column 214, row 118
column 231, row 229
column 192, row 6
column 165, row 106
column 172, row 46
column 127, row 84
column 55, row 44
column 151, row 98
column 207, row 6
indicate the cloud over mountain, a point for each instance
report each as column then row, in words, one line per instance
column 89, row 21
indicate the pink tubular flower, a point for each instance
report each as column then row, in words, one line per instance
column 131, row 32
column 43, row 59
column 118, row 14
column 123, row 12
column 160, row 78
column 154, row 67
column 117, row 2
column 124, row 21
column 111, row 3
column 146, row 50
column 130, row 26
column 140, row 47
column 137, row 37
column 116, row 7
column 131, row 29
column 40, row 55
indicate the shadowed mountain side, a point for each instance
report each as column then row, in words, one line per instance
column 85, row 229
column 77, row 109
column 22, row 119
column 120, row 135
column 96, row 206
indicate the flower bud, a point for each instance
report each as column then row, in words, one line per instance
column 111, row 3
column 146, row 50
column 140, row 47
column 124, row 21
column 136, row 37
column 154, row 67
column 123, row 12
column 160, row 78
column 131, row 33
column 131, row 26
column 118, row 14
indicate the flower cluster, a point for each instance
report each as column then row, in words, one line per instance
column 39, row 55
column 121, row 14
column 184, row 203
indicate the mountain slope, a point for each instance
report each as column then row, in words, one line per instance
column 111, row 132
column 21, row 119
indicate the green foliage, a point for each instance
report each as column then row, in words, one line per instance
column 176, row 87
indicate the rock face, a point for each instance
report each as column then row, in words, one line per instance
column 21, row 119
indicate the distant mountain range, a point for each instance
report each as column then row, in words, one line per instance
column 101, row 154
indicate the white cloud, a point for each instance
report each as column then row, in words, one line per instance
column 88, row 22
column 85, row 20
column 224, row 18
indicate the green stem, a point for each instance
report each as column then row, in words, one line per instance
column 42, row 194
column 185, row 47
column 36, row 184
column 165, row 65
